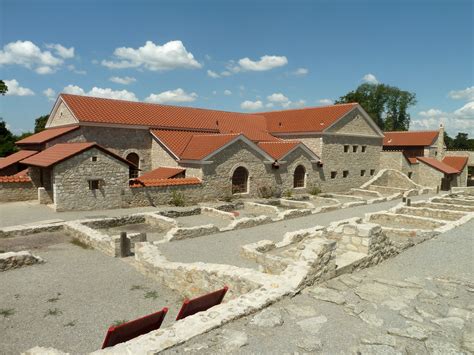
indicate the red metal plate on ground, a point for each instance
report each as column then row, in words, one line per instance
column 126, row 331
column 201, row 303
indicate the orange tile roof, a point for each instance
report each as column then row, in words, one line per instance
column 200, row 146
column 176, row 141
column 167, row 182
column 63, row 151
column 23, row 172
column 311, row 119
column 16, row 157
column 46, row 135
column 19, row 177
column 444, row 168
column 457, row 162
column 409, row 138
column 161, row 173
column 278, row 150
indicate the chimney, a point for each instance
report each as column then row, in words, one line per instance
column 440, row 147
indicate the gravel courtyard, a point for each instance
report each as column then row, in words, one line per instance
column 70, row 301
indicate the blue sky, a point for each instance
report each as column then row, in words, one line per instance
column 238, row 55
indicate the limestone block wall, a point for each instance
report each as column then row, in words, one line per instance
column 71, row 182
column 428, row 176
column 161, row 195
column 17, row 191
column 62, row 117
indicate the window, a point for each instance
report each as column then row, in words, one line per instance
column 94, row 184
column 133, row 170
column 410, row 174
column 94, row 158
column 372, row 171
column 240, row 180
column 345, row 173
column 333, row 174
column 364, row 148
column 354, row 148
column 299, row 176
column 346, row 148
column 362, row 173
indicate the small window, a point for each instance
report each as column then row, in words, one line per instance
column 333, row 174
column 345, row 173
column 362, row 173
column 94, row 184
column 346, row 148
column 94, row 158
column 364, row 148
column 354, row 148
column 410, row 174
column 372, row 171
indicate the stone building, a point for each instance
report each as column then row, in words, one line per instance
column 423, row 157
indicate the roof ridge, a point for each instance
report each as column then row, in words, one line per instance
column 308, row 108
column 418, row 131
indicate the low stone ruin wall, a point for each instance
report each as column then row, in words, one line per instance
column 391, row 178
column 453, row 201
column 155, row 196
column 443, row 206
column 430, row 213
column 465, row 190
column 16, row 231
column 17, row 191
column 95, row 239
column 393, row 220
column 13, row 260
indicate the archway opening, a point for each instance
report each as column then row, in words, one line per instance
column 240, row 180
column 135, row 159
column 299, row 176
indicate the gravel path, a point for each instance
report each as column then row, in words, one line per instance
column 228, row 243
column 69, row 302
column 420, row 302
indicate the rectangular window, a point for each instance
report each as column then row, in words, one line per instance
column 364, row 148
column 362, row 173
column 94, row 158
column 346, row 148
column 354, row 148
column 345, row 173
column 333, row 174
column 94, row 184
column 372, row 171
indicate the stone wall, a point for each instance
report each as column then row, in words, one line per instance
column 17, row 191
column 13, row 260
column 429, row 176
column 71, row 182
column 162, row 195
column 62, row 117
column 392, row 178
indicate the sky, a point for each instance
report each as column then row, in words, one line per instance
column 245, row 56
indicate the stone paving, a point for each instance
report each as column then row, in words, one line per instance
column 420, row 302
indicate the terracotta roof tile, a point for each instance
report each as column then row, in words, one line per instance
column 409, row 138
column 16, row 157
column 312, row 119
column 176, row 141
column 161, row 173
column 168, row 182
column 457, row 162
column 63, row 151
column 200, row 146
column 444, row 168
column 278, row 150
column 14, row 178
column 46, row 135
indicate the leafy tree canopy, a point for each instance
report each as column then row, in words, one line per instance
column 3, row 87
column 460, row 142
column 7, row 140
column 40, row 123
column 387, row 105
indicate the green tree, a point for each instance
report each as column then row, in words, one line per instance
column 448, row 141
column 461, row 141
column 387, row 105
column 40, row 123
column 7, row 140
column 3, row 87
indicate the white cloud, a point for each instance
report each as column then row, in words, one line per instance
column 171, row 55
column 72, row 68
column 278, row 98
column 62, row 51
column 213, row 74
column 290, row 104
column 326, row 101
column 101, row 92
column 29, row 55
column 431, row 113
column 370, row 78
column 461, row 120
column 227, row 92
column 172, row 96
column 50, row 94
column 301, row 72
column 269, row 105
column 466, row 94
column 14, row 89
column 122, row 80
column 266, row 62
column 466, row 112
column 251, row 105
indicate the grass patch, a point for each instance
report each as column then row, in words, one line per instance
column 7, row 312
column 53, row 312
column 80, row 244
column 137, row 287
column 151, row 294
column 116, row 323
column 71, row 323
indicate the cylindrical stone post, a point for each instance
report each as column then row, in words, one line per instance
column 124, row 245
column 404, row 199
column 408, row 201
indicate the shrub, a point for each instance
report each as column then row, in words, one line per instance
column 265, row 191
column 288, row 193
column 314, row 190
column 177, row 199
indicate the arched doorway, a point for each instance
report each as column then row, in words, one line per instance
column 240, row 180
column 299, row 176
column 135, row 159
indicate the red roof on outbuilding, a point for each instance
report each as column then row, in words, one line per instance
column 444, row 168
column 16, row 157
column 457, row 162
column 161, row 173
column 168, row 182
column 409, row 138
column 46, row 135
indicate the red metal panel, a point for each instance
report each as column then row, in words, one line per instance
column 201, row 303
column 126, row 331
